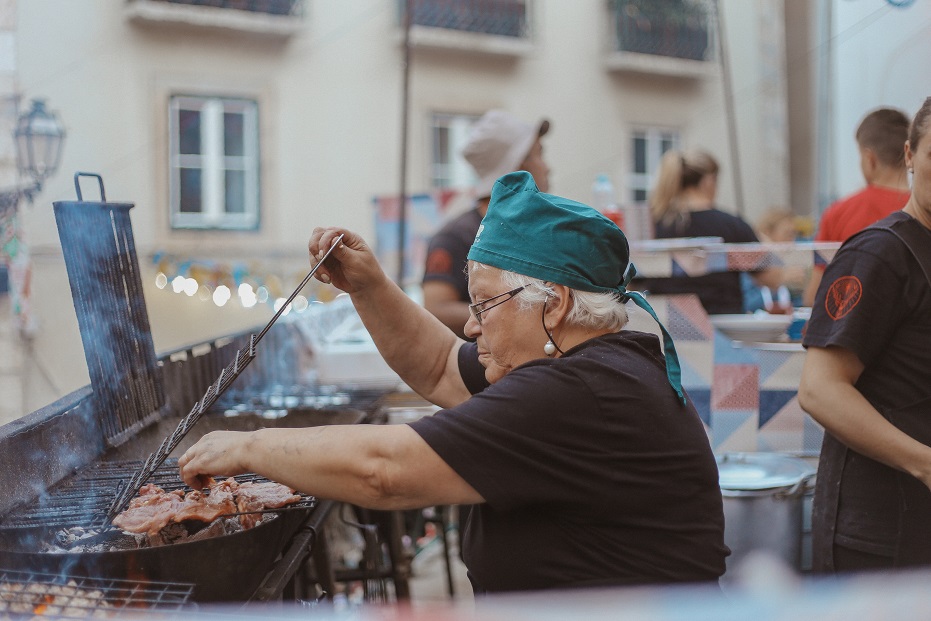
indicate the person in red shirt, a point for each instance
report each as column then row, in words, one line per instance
column 881, row 138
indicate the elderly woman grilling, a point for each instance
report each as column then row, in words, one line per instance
column 587, row 464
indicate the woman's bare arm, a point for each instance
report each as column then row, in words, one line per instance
column 827, row 392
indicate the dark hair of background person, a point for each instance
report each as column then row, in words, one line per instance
column 920, row 125
column 884, row 131
column 678, row 170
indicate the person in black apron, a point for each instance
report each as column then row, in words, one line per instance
column 867, row 380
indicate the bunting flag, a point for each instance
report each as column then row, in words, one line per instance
column 14, row 255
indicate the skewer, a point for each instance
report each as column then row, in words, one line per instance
column 212, row 394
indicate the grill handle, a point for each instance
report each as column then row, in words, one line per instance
column 77, row 185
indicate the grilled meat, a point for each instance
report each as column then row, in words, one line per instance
column 155, row 509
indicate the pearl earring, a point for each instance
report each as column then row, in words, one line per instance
column 550, row 348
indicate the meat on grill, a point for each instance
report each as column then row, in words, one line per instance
column 154, row 508
column 150, row 511
column 256, row 496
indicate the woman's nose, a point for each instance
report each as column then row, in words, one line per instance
column 472, row 328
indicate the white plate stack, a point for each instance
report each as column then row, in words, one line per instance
column 755, row 328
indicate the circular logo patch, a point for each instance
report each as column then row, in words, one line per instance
column 843, row 295
column 439, row 262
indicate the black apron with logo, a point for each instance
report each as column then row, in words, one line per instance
column 913, row 544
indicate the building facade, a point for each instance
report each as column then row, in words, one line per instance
column 237, row 126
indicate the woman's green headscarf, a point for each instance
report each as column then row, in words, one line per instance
column 561, row 241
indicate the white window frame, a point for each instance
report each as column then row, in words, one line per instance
column 213, row 162
column 654, row 137
column 457, row 173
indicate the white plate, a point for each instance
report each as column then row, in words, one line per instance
column 759, row 327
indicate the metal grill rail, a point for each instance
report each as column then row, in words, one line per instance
column 27, row 594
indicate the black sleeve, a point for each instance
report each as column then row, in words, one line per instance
column 471, row 370
column 856, row 305
column 446, row 262
column 742, row 233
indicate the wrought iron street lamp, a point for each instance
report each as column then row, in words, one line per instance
column 39, row 137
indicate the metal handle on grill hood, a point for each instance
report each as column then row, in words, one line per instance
column 77, row 185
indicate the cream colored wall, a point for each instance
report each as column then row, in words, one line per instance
column 880, row 55
column 330, row 105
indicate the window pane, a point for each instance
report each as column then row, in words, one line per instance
column 640, row 196
column 640, row 154
column 190, row 190
column 235, row 191
column 665, row 143
column 442, row 145
column 233, row 138
column 189, row 131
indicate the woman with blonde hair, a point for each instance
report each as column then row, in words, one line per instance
column 683, row 205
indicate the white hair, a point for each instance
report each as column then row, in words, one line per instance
column 598, row 311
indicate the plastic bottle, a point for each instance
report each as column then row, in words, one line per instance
column 603, row 193
column 604, row 200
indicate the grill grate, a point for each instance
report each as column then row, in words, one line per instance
column 27, row 594
column 82, row 500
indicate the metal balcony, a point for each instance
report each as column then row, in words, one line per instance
column 671, row 37
column 485, row 26
column 270, row 7
column 275, row 18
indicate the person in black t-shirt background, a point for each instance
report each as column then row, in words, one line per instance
column 683, row 205
column 498, row 143
column 867, row 380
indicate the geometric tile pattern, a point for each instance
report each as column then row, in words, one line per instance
column 747, row 397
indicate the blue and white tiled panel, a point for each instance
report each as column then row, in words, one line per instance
column 747, row 398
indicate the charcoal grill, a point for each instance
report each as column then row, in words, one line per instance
column 94, row 439
column 37, row 595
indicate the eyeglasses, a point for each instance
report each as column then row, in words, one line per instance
column 480, row 307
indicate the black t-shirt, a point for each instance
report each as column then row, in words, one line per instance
column 592, row 471
column 875, row 301
column 447, row 254
column 719, row 292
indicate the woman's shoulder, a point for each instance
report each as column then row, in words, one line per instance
column 732, row 228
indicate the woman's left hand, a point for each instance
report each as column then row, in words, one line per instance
column 217, row 453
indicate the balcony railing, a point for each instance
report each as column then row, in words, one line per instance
column 263, row 18
column 671, row 28
column 503, row 18
column 268, row 7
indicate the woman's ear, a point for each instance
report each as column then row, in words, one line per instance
column 558, row 307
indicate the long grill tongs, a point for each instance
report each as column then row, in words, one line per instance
column 243, row 357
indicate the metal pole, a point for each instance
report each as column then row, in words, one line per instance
column 729, row 110
column 824, row 108
column 402, row 185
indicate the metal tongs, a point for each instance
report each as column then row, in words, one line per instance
column 244, row 356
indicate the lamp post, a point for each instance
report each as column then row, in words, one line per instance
column 39, row 137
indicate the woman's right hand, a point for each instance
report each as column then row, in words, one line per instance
column 351, row 266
